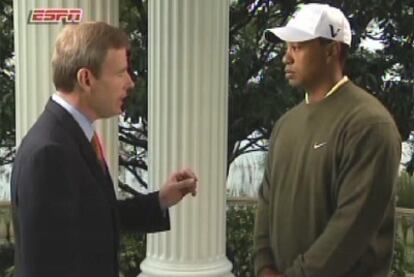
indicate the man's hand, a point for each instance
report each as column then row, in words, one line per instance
column 177, row 186
column 269, row 272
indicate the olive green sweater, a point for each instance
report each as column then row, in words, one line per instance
column 326, row 204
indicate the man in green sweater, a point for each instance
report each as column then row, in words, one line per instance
column 326, row 204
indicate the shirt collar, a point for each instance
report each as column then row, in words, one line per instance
column 332, row 90
column 80, row 118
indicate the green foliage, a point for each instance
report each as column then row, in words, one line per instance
column 405, row 191
column 7, row 99
column 133, row 131
column 259, row 94
column 400, row 258
column 240, row 220
column 239, row 237
column 6, row 243
column 6, row 258
column 132, row 253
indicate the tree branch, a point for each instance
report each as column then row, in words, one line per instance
column 126, row 188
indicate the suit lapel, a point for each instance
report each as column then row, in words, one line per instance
column 72, row 127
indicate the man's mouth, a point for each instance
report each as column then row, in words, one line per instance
column 289, row 74
column 124, row 104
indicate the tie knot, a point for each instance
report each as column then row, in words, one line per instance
column 95, row 139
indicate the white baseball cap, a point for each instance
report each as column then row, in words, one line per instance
column 312, row 21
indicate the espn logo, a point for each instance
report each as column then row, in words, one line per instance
column 55, row 15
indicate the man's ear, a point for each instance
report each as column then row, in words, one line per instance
column 83, row 78
column 332, row 51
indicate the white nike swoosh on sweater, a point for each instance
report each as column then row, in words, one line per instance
column 319, row 145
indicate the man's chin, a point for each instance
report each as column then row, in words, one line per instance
column 294, row 83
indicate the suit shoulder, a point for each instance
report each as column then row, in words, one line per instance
column 46, row 134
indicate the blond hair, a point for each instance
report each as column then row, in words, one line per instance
column 83, row 45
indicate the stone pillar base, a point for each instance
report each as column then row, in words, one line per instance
column 218, row 268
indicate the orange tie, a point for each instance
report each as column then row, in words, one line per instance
column 98, row 151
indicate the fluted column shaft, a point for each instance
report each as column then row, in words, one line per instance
column 34, row 45
column 188, row 77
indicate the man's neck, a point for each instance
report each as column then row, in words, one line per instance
column 318, row 92
column 74, row 99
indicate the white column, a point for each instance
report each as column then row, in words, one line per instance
column 188, row 77
column 34, row 48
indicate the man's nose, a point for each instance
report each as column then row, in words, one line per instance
column 287, row 58
column 131, row 83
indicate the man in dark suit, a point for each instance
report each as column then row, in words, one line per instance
column 65, row 213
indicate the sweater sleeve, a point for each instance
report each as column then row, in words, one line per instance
column 365, row 180
column 263, row 256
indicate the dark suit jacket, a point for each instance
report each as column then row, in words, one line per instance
column 65, row 213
